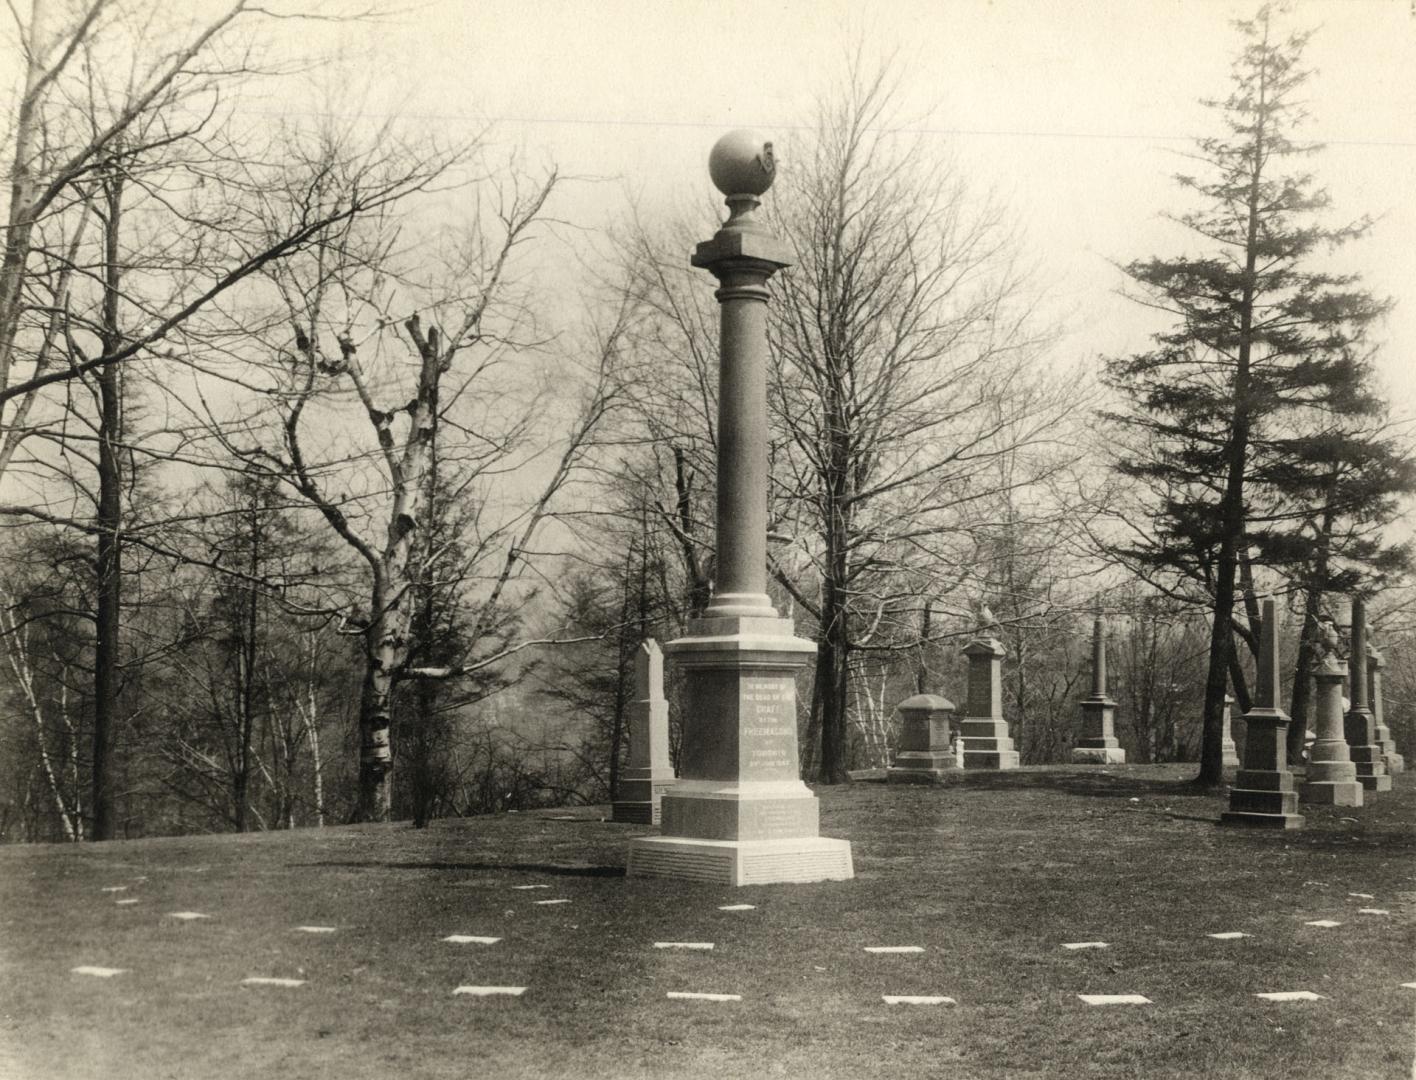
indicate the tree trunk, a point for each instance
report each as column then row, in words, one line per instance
column 109, row 556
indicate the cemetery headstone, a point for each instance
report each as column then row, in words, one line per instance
column 649, row 773
column 1359, row 725
column 739, row 813
column 982, row 729
column 1332, row 778
column 1263, row 794
column 924, row 755
column 1230, row 750
column 1098, row 745
column 1395, row 762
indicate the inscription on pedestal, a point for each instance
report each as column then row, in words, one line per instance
column 768, row 750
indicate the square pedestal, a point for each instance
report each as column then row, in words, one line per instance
column 1098, row 755
column 1331, row 793
column 987, row 744
column 921, row 767
column 1371, row 768
column 640, row 799
column 739, row 813
column 1264, row 799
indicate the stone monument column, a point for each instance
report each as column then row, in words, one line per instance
column 1360, row 728
column 1332, row 778
column 1395, row 762
column 649, row 773
column 1098, row 745
column 924, row 755
column 982, row 729
column 1231, row 751
column 1263, row 793
column 739, row 813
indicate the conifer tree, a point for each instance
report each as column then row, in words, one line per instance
column 1263, row 341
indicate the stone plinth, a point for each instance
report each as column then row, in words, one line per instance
column 1394, row 761
column 1263, row 794
column 1230, row 750
column 1332, row 778
column 982, row 729
column 1359, row 725
column 739, row 814
column 1098, row 745
column 925, row 755
column 649, row 773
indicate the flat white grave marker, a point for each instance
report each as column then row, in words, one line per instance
column 684, row 995
column 1409, row 986
column 317, row 929
column 187, row 916
column 738, row 907
column 101, row 972
column 1086, row 945
column 1114, row 999
column 543, row 903
column 1325, row 923
column 114, row 888
column 471, row 939
column 1291, row 995
column 916, row 999
column 490, row 991
column 894, row 948
column 1373, row 911
column 1228, row 935
column 683, row 944
column 1361, row 896
column 530, row 886
column 258, row 980
column 120, row 903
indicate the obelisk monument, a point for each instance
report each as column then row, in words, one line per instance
column 1263, row 794
column 739, row 813
column 1359, row 725
column 1098, row 745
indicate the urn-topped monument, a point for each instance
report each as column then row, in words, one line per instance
column 739, row 813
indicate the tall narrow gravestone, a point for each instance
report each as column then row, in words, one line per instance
column 1263, row 793
column 1332, row 778
column 1098, row 745
column 924, row 755
column 1358, row 725
column 649, row 773
column 1395, row 763
column 739, row 813
column 1227, row 746
column 982, row 729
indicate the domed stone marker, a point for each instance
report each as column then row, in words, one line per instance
column 739, row 813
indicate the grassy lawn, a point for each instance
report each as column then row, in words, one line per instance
column 991, row 875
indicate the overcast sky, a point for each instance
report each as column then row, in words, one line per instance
column 1074, row 111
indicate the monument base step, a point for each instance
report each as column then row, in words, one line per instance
column 1331, row 793
column 1246, row 801
column 635, row 813
column 1395, row 762
column 1261, row 821
column 991, row 759
column 741, row 862
column 1098, row 755
column 1379, row 782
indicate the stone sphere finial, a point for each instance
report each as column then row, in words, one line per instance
column 741, row 163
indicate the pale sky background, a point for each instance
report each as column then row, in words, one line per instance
column 1073, row 111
